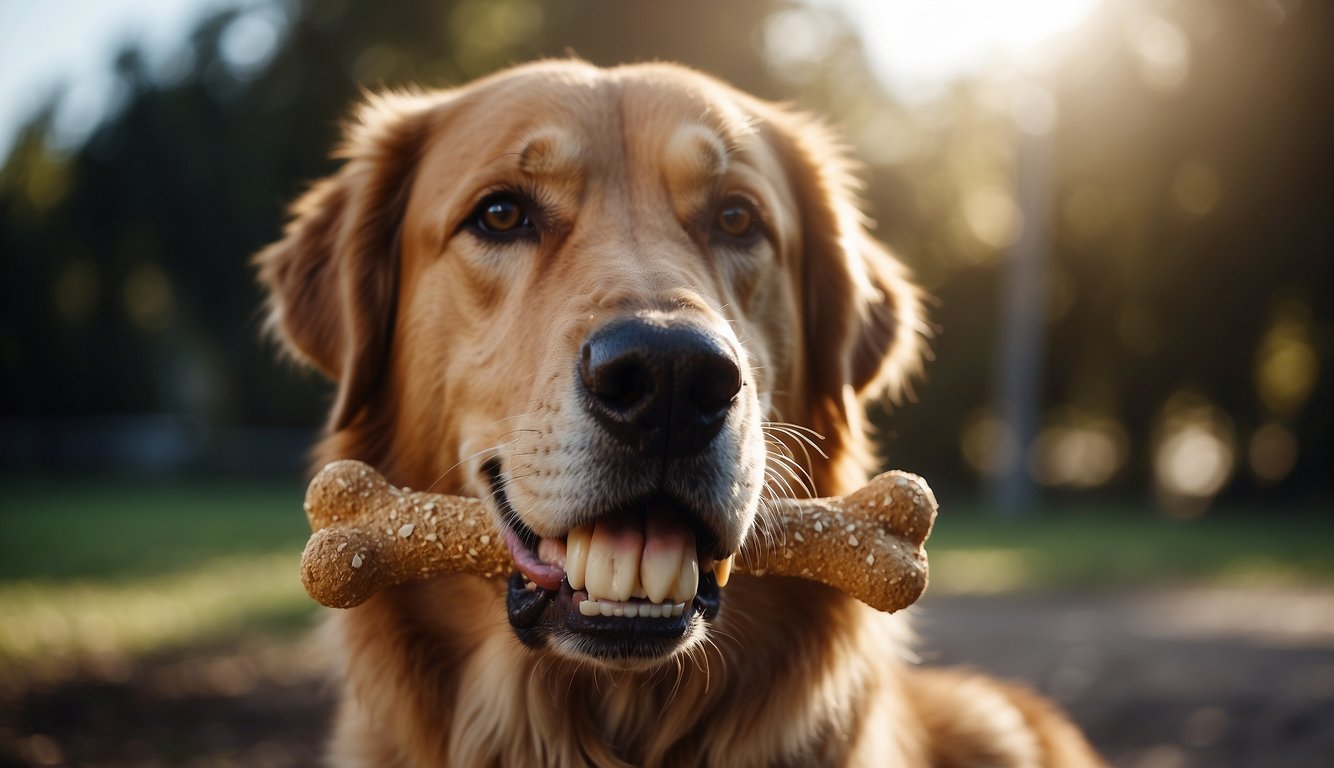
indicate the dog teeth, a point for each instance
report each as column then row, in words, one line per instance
column 576, row 555
column 665, row 547
column 613, row 560
column 596, row 607
column 687, row 578
column 722, row 570
column 616, row 560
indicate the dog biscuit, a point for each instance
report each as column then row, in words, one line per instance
column 369, row 535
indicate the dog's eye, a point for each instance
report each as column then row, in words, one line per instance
column 737, row 220
column 501, row 214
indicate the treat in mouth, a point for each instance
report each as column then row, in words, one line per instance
column 646, row 556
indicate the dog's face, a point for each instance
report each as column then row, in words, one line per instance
column 581, row 294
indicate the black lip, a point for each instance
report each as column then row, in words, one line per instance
column 539, row 614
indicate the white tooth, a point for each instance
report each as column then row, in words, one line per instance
column 597, row 572
column 723, row 570
column 613, row 561
column 576, row 555
column 625, row 569
column 678, row 609
column 589, row 608
column 606, row 608
column 643, row 609
column 659, row 571
column 687, row 579
column 666, row 543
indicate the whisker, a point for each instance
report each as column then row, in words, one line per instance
column 779, row 481
column 769, row 533
column 676, row 686
column 795, row 471
column 803, row 435
column 795, row 428
column 476, row 454
column 792, row 468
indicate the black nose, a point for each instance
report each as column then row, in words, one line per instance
column 661, row 389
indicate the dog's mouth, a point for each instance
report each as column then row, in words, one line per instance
column 633, row 584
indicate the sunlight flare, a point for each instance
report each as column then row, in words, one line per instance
column 920, row 46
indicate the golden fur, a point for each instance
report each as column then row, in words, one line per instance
column 449, row 353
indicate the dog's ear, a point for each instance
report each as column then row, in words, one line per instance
column 863, row 319
column 333, row 277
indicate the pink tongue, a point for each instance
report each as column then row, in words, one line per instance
column 544, row 575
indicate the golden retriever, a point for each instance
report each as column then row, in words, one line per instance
column 625, row 306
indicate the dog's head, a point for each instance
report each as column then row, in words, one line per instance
column 608, row 301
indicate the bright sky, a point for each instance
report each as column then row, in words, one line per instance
column 44, row 43
column 918, row 46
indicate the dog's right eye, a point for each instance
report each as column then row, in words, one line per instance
column 502, row 216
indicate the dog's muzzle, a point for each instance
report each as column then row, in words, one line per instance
column 643, row 570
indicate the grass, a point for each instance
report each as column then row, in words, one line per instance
column 91, row 567
column 97, row 569
column 1131, row 547
column 89, row 527
column 219, row 599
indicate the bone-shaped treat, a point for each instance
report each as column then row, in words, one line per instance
column 369, row 535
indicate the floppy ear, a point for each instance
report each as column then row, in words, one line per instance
column 863, row 320
column 332, row 280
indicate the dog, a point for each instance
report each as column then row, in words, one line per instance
column 625, row 306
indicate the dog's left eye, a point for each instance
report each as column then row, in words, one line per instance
column 738, row 221
column 502, row 215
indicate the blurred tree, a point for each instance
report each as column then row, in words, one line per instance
column 1192, row 244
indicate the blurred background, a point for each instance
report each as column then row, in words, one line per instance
column 1122, row 210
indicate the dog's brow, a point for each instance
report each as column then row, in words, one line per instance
column 697, row 153
column 550, row 153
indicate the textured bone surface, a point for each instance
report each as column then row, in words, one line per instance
column 369, row 535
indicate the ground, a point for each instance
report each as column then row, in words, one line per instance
column 1158, row 678
column 1164, row 678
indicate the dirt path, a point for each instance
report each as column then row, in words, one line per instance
column 1167, row 679
column 1161, row 679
